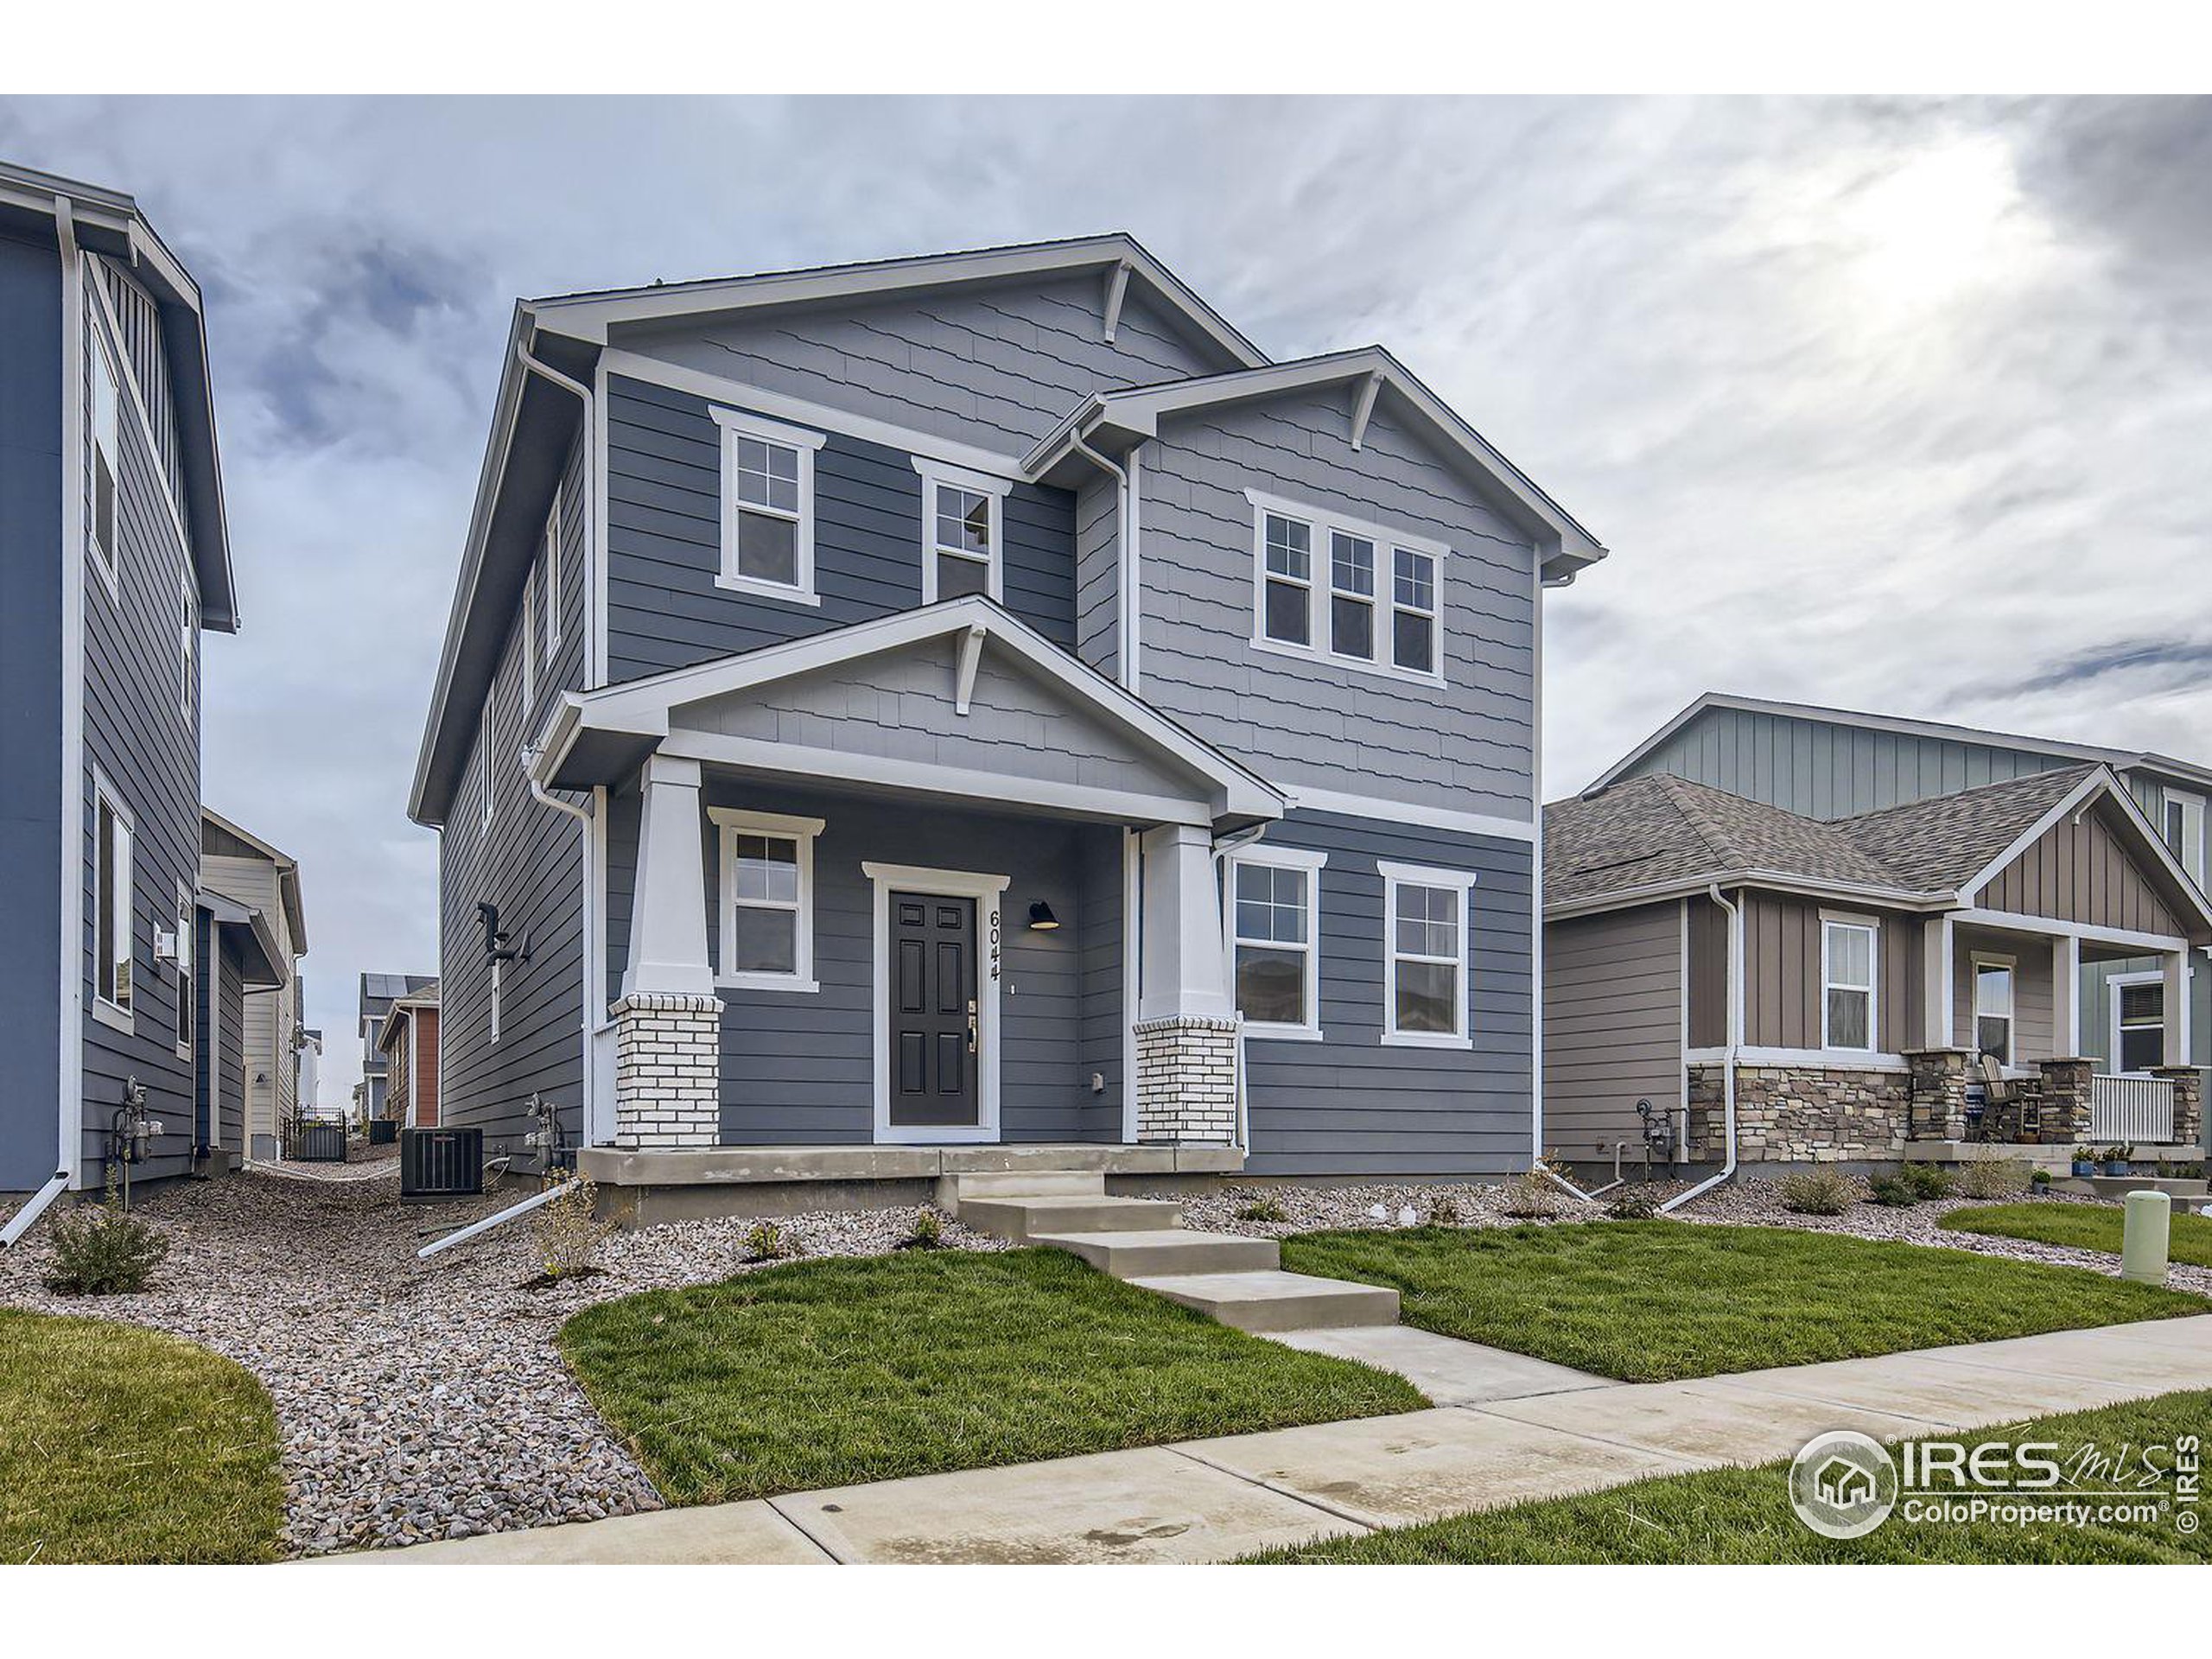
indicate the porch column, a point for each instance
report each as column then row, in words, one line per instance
column 2065, row 996
column 2176, row 969
column 668, row 1021
column 1186, row 1024
column 1936, row 1024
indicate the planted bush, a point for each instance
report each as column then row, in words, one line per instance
column 1999, row 1177
column 1633, row 1204
column 1265, row 1207
column 1893, row 1191
column 1817, row 1193
column 1928, row 1180
column 569, row 1232
column 104, row 1252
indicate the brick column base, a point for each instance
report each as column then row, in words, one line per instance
column 2067, row 1086
column 1939, row 1093
column 1187, row 1081
column 667, row 1071
column 2188, row 1101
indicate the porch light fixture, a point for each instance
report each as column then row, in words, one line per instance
column 1041, row 919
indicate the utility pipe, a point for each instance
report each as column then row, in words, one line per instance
column 529, row 755
column 19, row 1222
column 1735, row 1047
column 1124, row 653
column 510, row 1213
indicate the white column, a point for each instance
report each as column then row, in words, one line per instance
column 1937, row 1026
column 668, row 916
column 2065, row 996
column 2176, row 968
column 1184, row 970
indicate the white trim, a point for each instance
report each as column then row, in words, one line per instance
column 1976, row 960
column 551, row 558
column 736, row 424
column 2153, row 976
column 599, row 1113
column 1132, row 988
column 74, row 557
column 113, row 1012
column 188, row 650
column 776, row 405
column 188, row 909
column 1323, row 525
column 2190, row 854
column 989, row 892
column 1309, row 797
column 1833, row 1059
column 936, row 475
column 1458, row 882
column 2013, row 921
column 1310, row 863
column 1130, row 550
column 1873, row 988
column 802, row 831
column 1363, row 407
column 1117, row 291
column 487, row 735
column 107, row 560
column 528, row 642
column 595, row 559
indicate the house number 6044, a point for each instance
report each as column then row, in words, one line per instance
column 994, row 944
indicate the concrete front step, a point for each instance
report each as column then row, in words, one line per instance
column 1156, row 1252
column 1023, row 1219
column 2119, row 1186
column 1275, row 1300
column 955, row 1192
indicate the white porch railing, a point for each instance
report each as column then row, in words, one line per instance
column 2138, row 1110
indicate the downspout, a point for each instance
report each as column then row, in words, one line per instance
column 19, row 1222
column 513, row 1212
column 1735, row 1047
column 529, row 755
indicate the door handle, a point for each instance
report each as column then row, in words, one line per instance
column 971, row 1024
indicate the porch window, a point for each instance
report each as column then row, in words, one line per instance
column 767, row 900
column 1847, row 957
column 1424, row 993
column 1287, row 607
column 1351, row 596
column 2139, row 1020
column 1274, row 926
column 1993, row 1008
column 767, row 507
column 112, row 907
column 1373, row 604
column 963, row 520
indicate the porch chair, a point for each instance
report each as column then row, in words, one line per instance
column 2013, row 1107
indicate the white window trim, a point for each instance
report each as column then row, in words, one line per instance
column 187, row 967
column 1872, row 987
column 108, row 561
column 735, row 425
column 733, row 823
column 188, row 647
column 485, row 741
column 2113, row 987
column 2190, row 854
column 1280, row 858
column 935, row 473
column 1414, row 875
column 552, row 583
column 121, row 1017
column 1322, row 522
column 1976, row 960
column 529, row 643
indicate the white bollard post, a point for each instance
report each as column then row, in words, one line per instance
column 2143, row 1237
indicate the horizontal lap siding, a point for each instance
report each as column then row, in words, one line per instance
column 665, row 542
column 2034, row 1027
column 1612, row 1024
column 1348, row 1105
column 1469, row 746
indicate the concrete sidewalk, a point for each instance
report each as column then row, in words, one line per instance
column 1523, row 1431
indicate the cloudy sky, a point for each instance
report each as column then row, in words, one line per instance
column 1900, row 405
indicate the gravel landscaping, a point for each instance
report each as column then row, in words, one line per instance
column 415, row 1400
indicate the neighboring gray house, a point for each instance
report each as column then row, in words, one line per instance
column 377, row 992
column 1819, row 821
column 114, row 560
column 862, row 684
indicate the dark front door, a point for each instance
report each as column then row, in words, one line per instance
column 934, row 1037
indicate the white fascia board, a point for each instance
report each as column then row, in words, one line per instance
column 2102, row 782
column 1894, row 899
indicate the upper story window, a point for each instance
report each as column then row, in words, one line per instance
column 107, row 459
column 1339, row 591
column 1847, row 957
column 112, row 908
column 2185, row 832
column 1275, row 931
column 188, row 647
column 767, row 900
column 187, row 1010
column 767, row 507
column 963, row 529
column 1425, row 970
column 528, row 650
column 553, row 578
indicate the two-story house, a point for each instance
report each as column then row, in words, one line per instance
column 407, row 1041
column 114, row 562
column 1887, row 897
column 239, row 865
column 378, row 992
column 898, row 716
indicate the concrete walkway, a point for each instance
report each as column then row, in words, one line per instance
column 1511, row 1432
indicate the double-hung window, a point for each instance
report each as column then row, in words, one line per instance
column 552, row 582
column 1337, row 589
column 963, row 530
column 1993, row 1008
column 767, row 900
column 187, row 1009
column 188, row 647
column 112, row 908
column 2185, row 832
column 767, row 507
column 1275, row 932
column 1425, row 972
column 2138, row 1019
column 1847, row 959
column 107, row 461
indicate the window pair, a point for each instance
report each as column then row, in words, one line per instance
column 1275, row 934
column 1354, row 594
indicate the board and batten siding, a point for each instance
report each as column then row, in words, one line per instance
column 532, row 866
column 1468, row 746
column 1613, row 1016
column 1351, row 1105
column 140, row 736
column 1783, row 986
column 2080, row 871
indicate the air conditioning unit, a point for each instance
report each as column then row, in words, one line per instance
column 164, row 945
column 441, row 1163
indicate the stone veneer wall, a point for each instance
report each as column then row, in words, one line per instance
column 1801, row 1114
column 667, row 1071
column 1187, row 1081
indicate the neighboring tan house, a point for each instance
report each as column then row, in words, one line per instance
column 378, row 994
column 862, row 684
column 408, row 1040
column 114, row 562
column 241, row 866
column 310, row 1072
column 1847, row 975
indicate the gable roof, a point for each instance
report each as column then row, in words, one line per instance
column 2119, row 759
column 288, row 872
column 110, row 222
column 1941, row 843
column 1116, row 420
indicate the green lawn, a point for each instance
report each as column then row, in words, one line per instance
column 2082, row 1226
column 1742, row 1517
column 119, row 1445
column 824, row 1373
column 1653, row 1301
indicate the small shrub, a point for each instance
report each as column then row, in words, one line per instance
column 1928, row 1180
column 1894, row 1190
column 1817, row 1193
column 1532, row 1195
column 1446, row 1214
column 568, row 1231
column 1999, row 1177
column 929, row 1232
column 1265, row 1207
column 765, row 1242
column 1633, row 1204
column 105, row 1251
